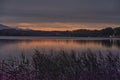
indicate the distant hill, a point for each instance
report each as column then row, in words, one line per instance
column 107, row 32
column 4, row 27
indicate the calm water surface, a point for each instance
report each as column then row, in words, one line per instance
column 15, row 46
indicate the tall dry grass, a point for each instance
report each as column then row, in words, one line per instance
column 62, row 66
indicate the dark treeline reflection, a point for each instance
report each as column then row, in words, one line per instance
column 86, row 65
column 110, row 43
column 105, row 43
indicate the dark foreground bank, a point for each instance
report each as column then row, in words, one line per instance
column 62, row 66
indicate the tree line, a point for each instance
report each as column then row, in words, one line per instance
column 107, row 32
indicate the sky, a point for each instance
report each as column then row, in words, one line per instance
column 60, row 14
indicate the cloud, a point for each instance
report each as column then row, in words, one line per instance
column 106, row 11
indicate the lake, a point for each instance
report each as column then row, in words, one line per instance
column 14, row 46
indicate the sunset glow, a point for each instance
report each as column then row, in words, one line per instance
column 61, row 26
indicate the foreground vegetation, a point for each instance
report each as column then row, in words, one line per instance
column 62, row 66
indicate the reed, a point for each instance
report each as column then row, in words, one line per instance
column 63, row 65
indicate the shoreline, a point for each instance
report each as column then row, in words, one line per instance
column 56, row 38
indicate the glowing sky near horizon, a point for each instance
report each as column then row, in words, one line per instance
column 60, row 14
column 61, row 26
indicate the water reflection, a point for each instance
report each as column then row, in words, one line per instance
column 15, row 47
